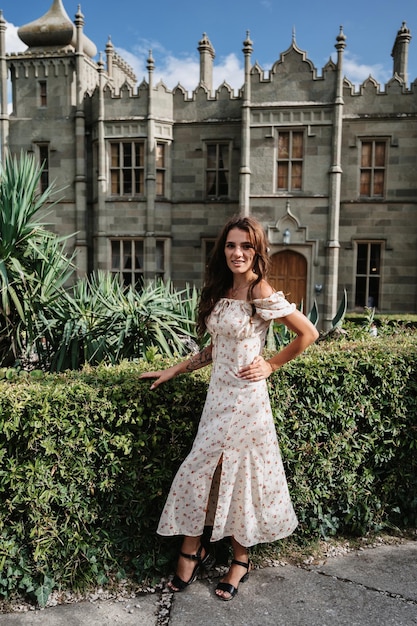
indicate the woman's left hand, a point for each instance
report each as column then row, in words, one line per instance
column 259, row 369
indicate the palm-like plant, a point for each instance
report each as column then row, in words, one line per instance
column 94, row 321
column 98, row 320
column 33, row 265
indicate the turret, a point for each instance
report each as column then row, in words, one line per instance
column 207, row 55
column 400, row 52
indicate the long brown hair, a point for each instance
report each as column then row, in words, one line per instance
column 219, row 278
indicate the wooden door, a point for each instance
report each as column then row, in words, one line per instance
column 288, row 273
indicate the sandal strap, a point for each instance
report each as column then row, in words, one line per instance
column 228, row 588
column 241, row 563
column 178, row 583
column 193, row 557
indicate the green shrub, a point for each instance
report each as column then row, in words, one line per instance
column 87, row 458
column 347, row 421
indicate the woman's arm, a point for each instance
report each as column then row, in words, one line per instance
column 195, row 362
column 306, row 335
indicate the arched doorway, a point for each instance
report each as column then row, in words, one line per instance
column 288, row 274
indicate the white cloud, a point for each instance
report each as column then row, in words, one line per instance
column 358, row 72
column 230, row 70
column 136, row 61
column 13, row 43
column 266, row 4
column 184, row 70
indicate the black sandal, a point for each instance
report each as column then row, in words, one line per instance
column 229, row 588
column 205, row 563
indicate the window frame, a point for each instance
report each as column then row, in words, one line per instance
column 373, row 168
column 217, row 170
column 160, row 170
column 127, row 180
column 43, row 94
column 207, row 247
column 368, row 275
column 290, row 161
column 44, row 158
column 161, row 245
column 137, row 252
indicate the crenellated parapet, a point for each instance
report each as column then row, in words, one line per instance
column 36, row 66
column 292, row 79
column 373, row 100
column 118, row 71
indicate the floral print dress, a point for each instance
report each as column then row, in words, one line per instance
column 233, row 478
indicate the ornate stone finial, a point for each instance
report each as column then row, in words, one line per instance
column 150, row 62
column 248, row 43
column 341, row 36
column 204, row 45
column 340, row 40
column 404, row 30
column 109, row 45
column 79, row 17
column 293, row 35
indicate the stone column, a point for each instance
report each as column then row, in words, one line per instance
column 80, row 157
column 100, row 241
column 335, row 179
column 150, row 182
column 245, row 172
column 4, row 117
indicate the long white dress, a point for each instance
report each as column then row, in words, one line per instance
column 247, row 497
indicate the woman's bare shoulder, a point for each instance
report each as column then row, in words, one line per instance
column 262, row 290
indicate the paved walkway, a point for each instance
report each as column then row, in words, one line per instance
column 370, row 587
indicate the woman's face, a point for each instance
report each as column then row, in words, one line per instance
column 239, row 251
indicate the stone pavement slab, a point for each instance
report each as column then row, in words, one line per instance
column 390, row 569
column 370, row 587
column 139, row 611
column 374, row 587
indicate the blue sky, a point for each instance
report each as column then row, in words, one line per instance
column 173, row 29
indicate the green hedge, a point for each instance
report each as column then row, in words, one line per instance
column 87, row 458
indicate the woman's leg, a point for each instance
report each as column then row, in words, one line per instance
column 236, row 572
column 185, row 567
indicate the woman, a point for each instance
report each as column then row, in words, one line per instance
column 233, row 478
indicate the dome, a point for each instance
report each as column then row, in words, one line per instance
column 54, row 30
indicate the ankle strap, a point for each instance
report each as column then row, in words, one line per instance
column 193, row 557
column 241, row 563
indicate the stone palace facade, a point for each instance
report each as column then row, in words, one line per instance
column 148, row 175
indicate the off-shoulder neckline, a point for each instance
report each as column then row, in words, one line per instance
column 274, row 293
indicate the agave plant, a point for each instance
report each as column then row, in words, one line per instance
column 98, row 320
column 33, row 264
